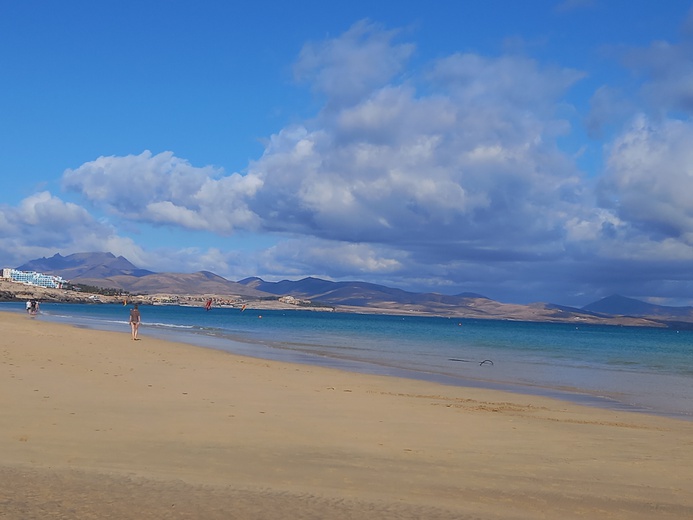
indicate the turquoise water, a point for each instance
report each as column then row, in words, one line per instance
column 636, row 368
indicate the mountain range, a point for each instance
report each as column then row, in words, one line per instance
column 109, row 271
column 617, row 304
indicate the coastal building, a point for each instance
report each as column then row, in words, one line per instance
column 293, row 301
column 33, row 278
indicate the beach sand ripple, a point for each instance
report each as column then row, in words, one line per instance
column 27, row 494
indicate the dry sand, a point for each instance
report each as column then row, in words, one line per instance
column 95, row 425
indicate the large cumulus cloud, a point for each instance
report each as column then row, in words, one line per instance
column 166, row 190
column 470, row 165
column 448, row 176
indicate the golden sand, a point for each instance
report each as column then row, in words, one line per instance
column 95, row 425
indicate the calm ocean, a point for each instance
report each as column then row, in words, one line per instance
column 642, row 369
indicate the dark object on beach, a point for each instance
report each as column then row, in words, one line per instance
column 470, row 361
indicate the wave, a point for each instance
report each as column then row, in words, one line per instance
column 168, row 325
column 72, row 317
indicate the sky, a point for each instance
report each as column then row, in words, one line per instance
column 534, row 151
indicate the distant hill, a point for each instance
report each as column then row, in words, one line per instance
column 617, row 305
column 202, row 282
column 84, row 265
column 360, row 294
column 367, row 297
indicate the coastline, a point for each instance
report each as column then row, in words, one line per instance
column 95, row 417
column 480, row 309
column 648, row 391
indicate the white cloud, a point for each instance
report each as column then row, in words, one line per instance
column 347, row 67
column 193, row 259
column 166, row 212
column 47, row 212
column 465, row 181
column 42, row 224
column 503, row 82
column 473, row 157
column 593, row 227
column 166, row 190
column 649, row 177
column 667, row 73
column 392, row 176
column 346, row 258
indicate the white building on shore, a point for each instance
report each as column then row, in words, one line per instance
column 33, row 278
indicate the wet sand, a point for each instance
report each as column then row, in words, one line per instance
column 95, row 425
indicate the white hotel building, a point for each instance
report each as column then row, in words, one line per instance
column 33, row 278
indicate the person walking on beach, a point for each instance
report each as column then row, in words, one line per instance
column 135, row 320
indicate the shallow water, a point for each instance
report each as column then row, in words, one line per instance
column 635, row 368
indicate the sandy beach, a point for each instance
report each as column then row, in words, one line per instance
column 95, row 425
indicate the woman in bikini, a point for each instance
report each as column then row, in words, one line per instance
column 135, row 320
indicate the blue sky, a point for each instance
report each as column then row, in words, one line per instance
column 527, row 151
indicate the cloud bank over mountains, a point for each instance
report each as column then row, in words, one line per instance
column 461, row 174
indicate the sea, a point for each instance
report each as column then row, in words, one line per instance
column 614, row 367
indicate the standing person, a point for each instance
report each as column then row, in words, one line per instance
column 28, row 306
column 135, row 320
